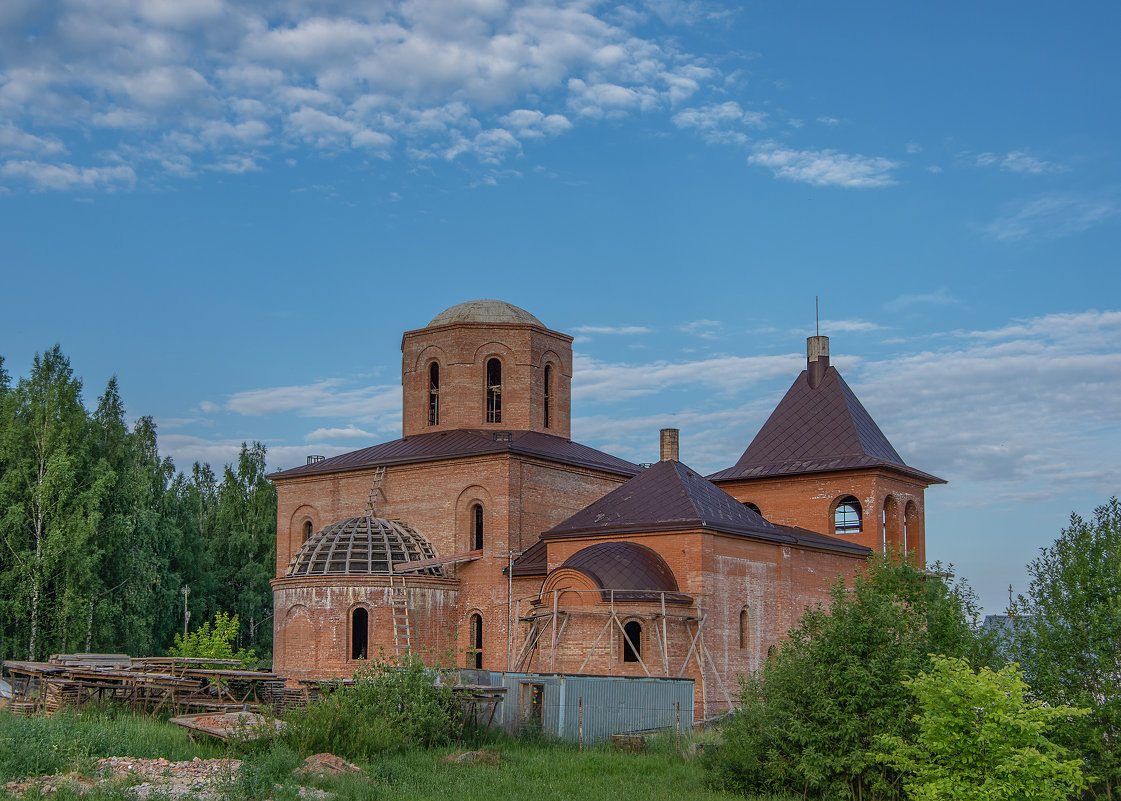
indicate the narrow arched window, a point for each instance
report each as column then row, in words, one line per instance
column 433, row 394
column 846, row 517
column 494, row 391
column 307, row 530
column 548, row 394
column 475, row 652
column 745, row 628
column 753, row 507
column 477, row 527
column 632, row 641
column 359, row 633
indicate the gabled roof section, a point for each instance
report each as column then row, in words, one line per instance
column 669, row 496
column 817, row 430
column 440, row 445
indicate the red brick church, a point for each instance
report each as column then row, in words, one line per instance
column 486, row 534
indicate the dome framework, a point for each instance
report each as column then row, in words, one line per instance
column 364, row 545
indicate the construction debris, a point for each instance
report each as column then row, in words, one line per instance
column 145, row 683
column 323, row 765
column 242, row 726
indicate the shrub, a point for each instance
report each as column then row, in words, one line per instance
column 809, row 722
column 980, row 738
column 213, row 642
column 387, row 708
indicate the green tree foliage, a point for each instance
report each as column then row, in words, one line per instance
column 810, row 720
column 386, row 708
column 981, row 737
column 213, row 642
column 99, row 535
column 1068, row 637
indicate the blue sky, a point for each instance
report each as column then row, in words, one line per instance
column 237, row 207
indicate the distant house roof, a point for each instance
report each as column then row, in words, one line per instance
column 670, row 496
column 817, row 430
column 465, row 442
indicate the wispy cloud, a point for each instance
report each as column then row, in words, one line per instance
column 350, row 433
column 1054, row 216
column 720, row 122
column 705, row 329
column 328, row 398
column 825, row 167
column 623, row 330
column 1018, row 161
column 849, row 326
column 937, row 297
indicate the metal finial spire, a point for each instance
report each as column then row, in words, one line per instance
column 817, row 318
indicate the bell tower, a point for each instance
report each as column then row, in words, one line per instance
column 486, row 364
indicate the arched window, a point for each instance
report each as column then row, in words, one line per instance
column 753, row 507
column 632, row 641
column 477, row 527
column 494, row 391
column 548, row 394
column 434, row 394
column 475, row 652
column 359, row 633
column 307, row 530
column 846, row 518
column 745, row 629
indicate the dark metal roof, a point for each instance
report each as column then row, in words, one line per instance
column 362, row 545
column 533, row 561
column 670, row 496
column 634, row 572
column 466, row 442
column 816, row 431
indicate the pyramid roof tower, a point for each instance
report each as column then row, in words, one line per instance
column 819, row 426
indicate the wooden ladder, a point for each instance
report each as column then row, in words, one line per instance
column 399, row 600
column 372, row 501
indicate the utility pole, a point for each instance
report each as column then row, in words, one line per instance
column 510, row 555
column 186, row 611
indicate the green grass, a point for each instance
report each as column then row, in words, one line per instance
column 40, row 745
column 543, row 771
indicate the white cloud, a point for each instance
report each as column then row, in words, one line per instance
column 624, row 330
column 181, row 85
column 720, row 122
column 328, row 398
column 1018, row 161
column 849, row 326
column 595, row 380
column 14, row 141
column 706, row 329
column 830, row 121
column 1054, row 216
column 349, row 433
column 63, row 176
column 825, row 167
column 937, row 297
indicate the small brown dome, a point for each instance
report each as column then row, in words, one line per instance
column 362, row 546
column 635, row 572
column 484, row 311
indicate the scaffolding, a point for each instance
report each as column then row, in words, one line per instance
column 547, row 622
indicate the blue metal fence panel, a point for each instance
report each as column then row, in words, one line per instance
column 558, row 704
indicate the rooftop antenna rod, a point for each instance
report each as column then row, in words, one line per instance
column 817, row 317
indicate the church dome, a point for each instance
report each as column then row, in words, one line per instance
column 634, row 572
column 362, row 546
column 484, row 311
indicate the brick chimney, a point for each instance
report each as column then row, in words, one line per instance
column 669, row 445
column 817, row 359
